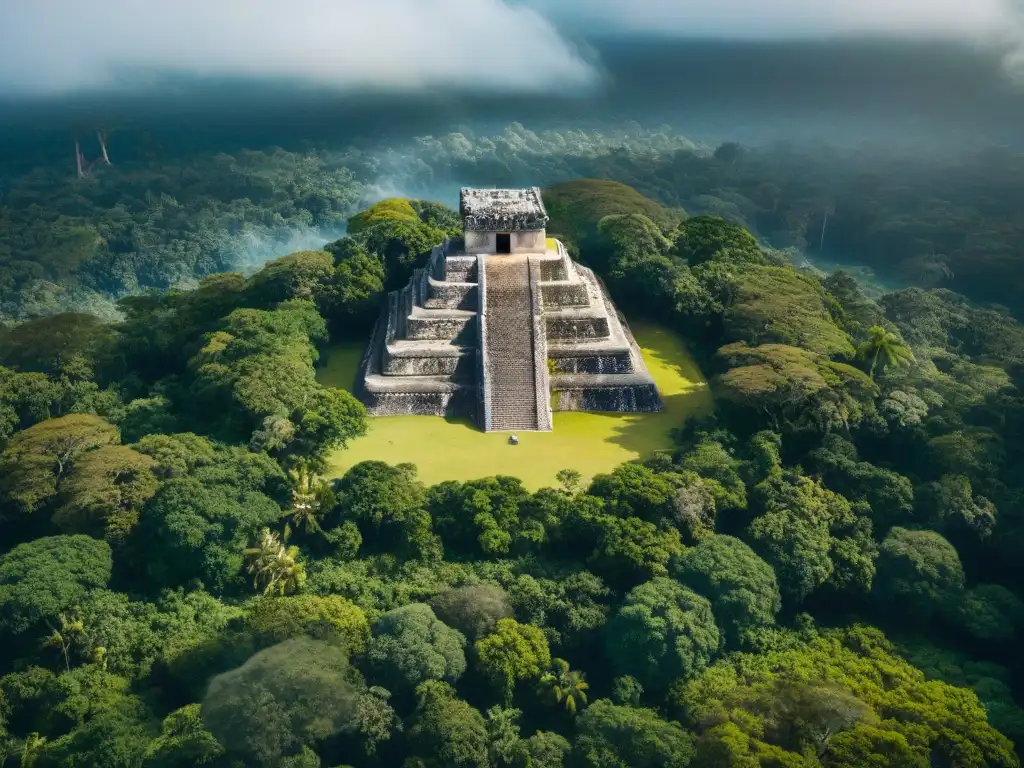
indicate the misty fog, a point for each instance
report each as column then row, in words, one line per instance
column 429, row 110
column 898, row 94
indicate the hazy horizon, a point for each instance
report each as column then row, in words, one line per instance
column 907, row 96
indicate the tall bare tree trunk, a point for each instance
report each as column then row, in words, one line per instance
column 79, row 161
column 103, row 146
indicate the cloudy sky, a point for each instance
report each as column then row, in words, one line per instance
column 788, row 19
column 60, row 46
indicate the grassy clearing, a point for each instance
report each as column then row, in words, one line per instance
column 454, row 449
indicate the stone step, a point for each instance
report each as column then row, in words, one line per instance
column 430, row 325
column 427, row 358
column 460, row 269
column 509, row 345
column 450, row 295
column 576, row 328
column 565, row 293
column 422, row 322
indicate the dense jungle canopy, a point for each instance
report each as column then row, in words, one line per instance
column 826, row 572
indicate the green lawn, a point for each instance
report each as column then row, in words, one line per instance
column 450, row 449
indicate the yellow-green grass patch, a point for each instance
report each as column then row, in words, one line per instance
column 590, row 443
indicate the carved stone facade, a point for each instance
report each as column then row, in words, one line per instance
column 503, row 221
column 502, row 210
column 503, row 334
column 523, row 241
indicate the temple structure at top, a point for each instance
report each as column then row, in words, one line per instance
column 502, row 326
column 503, row 221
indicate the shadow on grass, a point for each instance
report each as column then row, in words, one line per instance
column 684, row 391
column 339, row 365
column 646, row 433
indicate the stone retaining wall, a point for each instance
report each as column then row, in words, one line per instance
column 624, row 399
column 392, row 324
column 426, row 365
column 421, row 328
column 419, row 287
column 596, row 364
column 455, row 403
column 435, row 266
column 461, row 269
column 403, row 308
column 570, row 329
column 551, row 270
column 564, row 294
column 540, row 350
column 370, row 364
column 448, row 295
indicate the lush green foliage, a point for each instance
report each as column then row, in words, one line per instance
column 43, row 578
column 800, row 697
column 741, row 586
column 288, row 695
column 410, row 646
column 179, row 586
column 663, row 631
column 577, row 207
column 147, row 224
column 392, row 208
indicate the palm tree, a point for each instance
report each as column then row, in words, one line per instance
column 65, row 636
column 567, row 687
column 273, row 565
column 309, row 493
column 31, row 748
column 885, row 347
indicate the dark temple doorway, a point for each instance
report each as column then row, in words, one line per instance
column 504, row 243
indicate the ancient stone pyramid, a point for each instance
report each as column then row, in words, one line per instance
column 503, row 326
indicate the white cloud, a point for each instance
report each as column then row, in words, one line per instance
column 62, row 45
column 53, row 46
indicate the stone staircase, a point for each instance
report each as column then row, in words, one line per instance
column 508, row 344
column 506, row 339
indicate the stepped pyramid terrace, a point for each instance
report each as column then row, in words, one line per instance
column 502, row 326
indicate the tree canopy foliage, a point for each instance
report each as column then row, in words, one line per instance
column 825, row 572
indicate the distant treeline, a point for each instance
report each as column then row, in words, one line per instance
column 154, row 221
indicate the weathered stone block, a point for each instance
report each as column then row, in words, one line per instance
column 451, row 296
column 460, row 269
column 427, row 328
column 576, row 328
column 426, row 366
column 596, row 364
column 628, row 399
column 553, row 270
column 564, row 294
